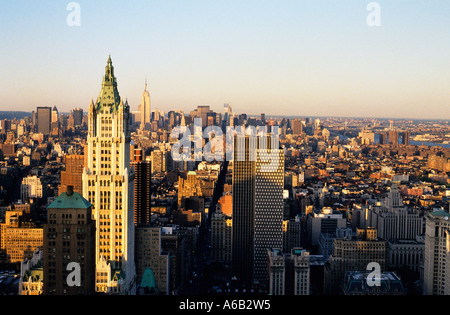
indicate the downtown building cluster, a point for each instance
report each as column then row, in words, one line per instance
column 102, row 190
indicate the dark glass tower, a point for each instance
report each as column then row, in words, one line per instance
column 142, row 192
column 44, row 120
column 258, row 183
column 244, row 172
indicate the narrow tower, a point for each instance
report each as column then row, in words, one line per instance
column 145, row 109
column 108, row 184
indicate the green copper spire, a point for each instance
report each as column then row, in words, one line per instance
column 109, row 98
column 148, row 282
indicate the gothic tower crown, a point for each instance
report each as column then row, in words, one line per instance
column 109, row 98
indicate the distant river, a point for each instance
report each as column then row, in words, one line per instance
column 431, row 144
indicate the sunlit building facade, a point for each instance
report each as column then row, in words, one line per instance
column 108, row 184
column 31, row 280
column 19, row 240
column 145, row 109
column 436, row 251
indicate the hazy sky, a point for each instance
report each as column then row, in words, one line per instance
column 281, row 57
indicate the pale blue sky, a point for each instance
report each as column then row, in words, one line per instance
column 281, row 57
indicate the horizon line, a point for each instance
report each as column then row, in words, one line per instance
column 276, row 116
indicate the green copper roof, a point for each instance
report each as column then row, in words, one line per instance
column 109, row 98
column 148, row 279
column 74, row 201
column 440, row 213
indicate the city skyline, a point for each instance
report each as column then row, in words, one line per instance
column 282, row 58
column 306, row 209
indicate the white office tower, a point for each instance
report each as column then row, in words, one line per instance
column 289, row 273
column 269, row 206
column 108, row 184
column 276, row 272
column 393, row 219
column 397, row 221
column 436, row 253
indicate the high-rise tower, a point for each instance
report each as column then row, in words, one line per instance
column 297, row 127
column 435, row 268
column 108, row 184
column 269, row 206
column 244, row 171
column 69, row 238
column 258, row 182
column 73, row 174
column 142, row 186
column 44, row 120
column 145, row 109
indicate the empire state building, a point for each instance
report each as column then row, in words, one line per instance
column 145, row 109
column 108, row 184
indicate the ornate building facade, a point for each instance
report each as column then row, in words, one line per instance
column 108, row 184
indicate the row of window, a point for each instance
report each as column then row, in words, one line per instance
column 103, row 183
